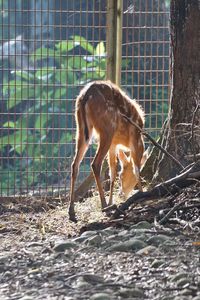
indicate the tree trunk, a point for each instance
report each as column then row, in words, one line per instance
column 183, row 126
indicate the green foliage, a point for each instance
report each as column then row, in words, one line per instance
column 44, row 99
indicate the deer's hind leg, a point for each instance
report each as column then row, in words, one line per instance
column 81, row 148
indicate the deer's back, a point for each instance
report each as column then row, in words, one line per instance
column 105, row 104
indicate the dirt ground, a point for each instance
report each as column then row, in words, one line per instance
column 44, row 256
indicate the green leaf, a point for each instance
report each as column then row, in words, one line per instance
column 66, row 138
column 61, row 76
column 100, row 49
column 103, row 64
column 45, row 74
column 21, row 94
column 15, row 140
column 27, row 75
column 60, row 93
column 76, row 62
column 65, row 76
column 41, row 121
column 10, row 87
column 81, row 41
column 10, row 124
column 64, row 46
column 71, row 77
column 42, row 53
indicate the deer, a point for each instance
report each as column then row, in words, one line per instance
column 100, row 108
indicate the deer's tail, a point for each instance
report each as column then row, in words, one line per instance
column 81, row 115
column 86, row 131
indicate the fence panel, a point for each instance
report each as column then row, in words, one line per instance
column 49, row 50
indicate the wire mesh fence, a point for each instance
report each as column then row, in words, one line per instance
column 49, row 50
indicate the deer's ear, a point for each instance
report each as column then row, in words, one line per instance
column 122, row 157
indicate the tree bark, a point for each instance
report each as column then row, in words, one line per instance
column 183, row 125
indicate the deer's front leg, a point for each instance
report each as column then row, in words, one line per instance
column 112, row 161
column 104, row 145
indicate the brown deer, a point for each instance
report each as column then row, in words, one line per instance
column 100, row 107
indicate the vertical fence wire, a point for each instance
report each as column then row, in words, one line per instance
column 48, row 51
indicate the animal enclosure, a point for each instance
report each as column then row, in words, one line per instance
column 49, row 50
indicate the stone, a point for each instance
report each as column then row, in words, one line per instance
column 100, row 296
column 126, row 246
column 88, row 233
column 129, row 293
column 94, row 241
column 157, row 263
column 142, row 225
column 148, row 250
column 156, row 240
column 178, row 276
column 61, row 247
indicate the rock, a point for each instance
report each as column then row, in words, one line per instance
column 183, row 282
column 26, row 297
column 130, row 245
column 100, row 296
column 79, row 239
column 61, row 247
column 139, row 234
column 156, row 240
column 123, row 233
column 178, row 276
column 157, row 263
column 94, row 241
column 108, row 232
column 35, row 244
column 116, row 238
column 186, row 292
column 142, row 225
column 148, row 250
column 81, row 283
column 8, row 274
column 183, row 298
column 4, row 259
column 88, row 233
column 181, row 279
column 131, row 293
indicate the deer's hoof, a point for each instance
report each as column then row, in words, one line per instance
column 73, row 219
column 72, row 216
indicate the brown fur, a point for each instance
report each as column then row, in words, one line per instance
column 100, row 106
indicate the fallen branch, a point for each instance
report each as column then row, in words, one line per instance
column 171, row 186
column 171, row 212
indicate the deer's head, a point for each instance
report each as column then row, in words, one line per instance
column 128, row 173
